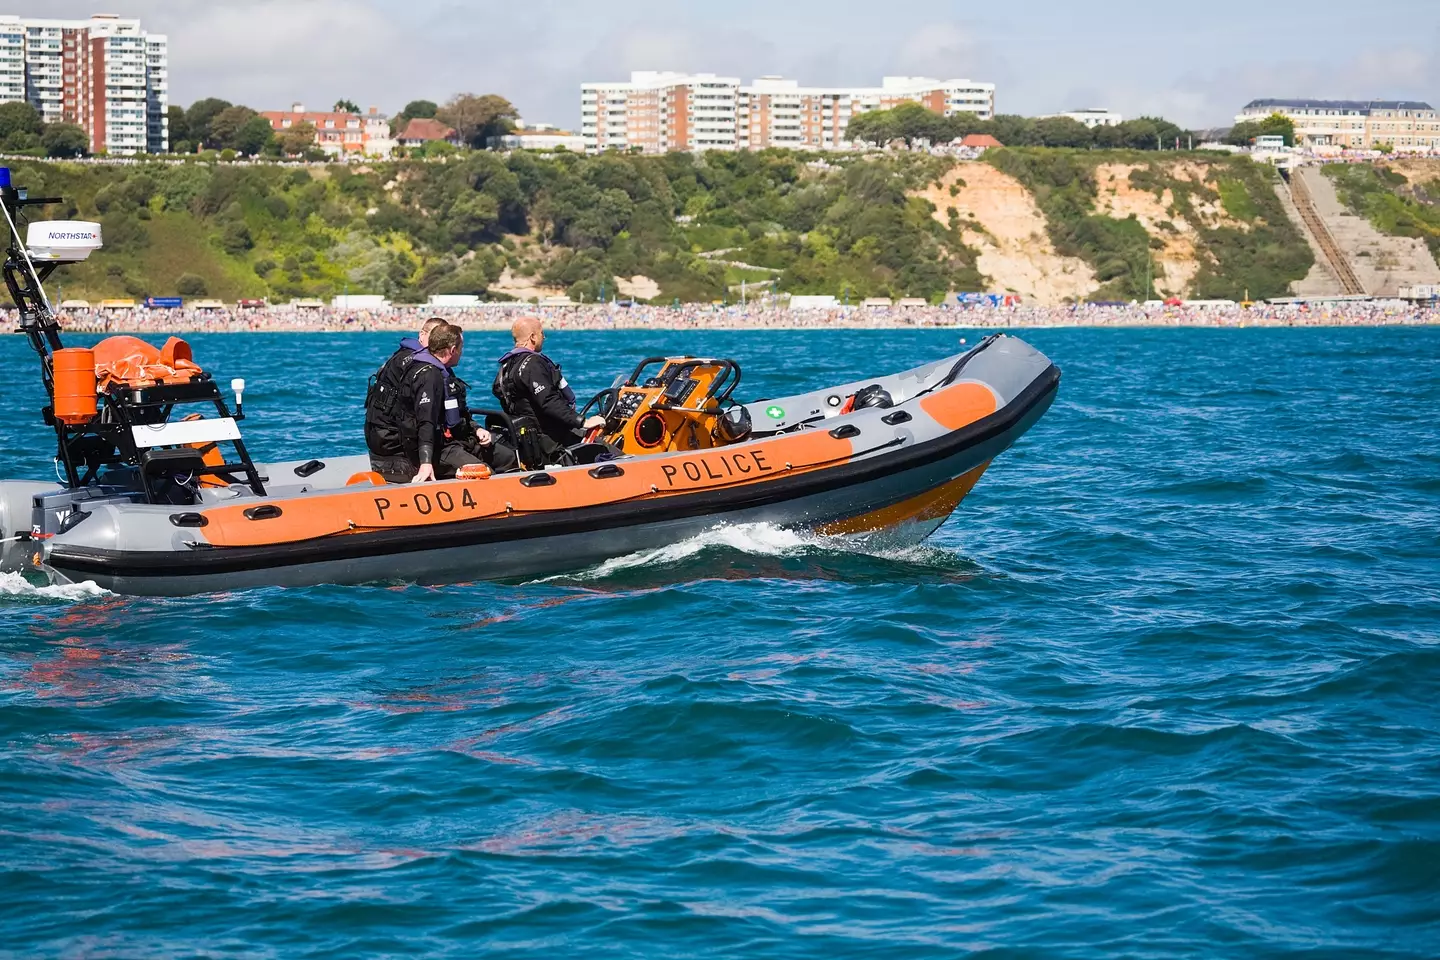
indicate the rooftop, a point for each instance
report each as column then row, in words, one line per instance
column 1356, row 106
column 423, row 129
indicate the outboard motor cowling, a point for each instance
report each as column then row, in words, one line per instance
column 17, row 518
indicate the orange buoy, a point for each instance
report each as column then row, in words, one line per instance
column 75, row 384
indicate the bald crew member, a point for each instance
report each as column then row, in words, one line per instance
column 533, row 391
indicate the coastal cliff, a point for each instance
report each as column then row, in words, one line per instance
column 1049, row 225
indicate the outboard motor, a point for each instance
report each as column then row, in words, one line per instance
column 873, row 396
column 17, row 512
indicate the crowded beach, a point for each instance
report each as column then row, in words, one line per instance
column 329, row 319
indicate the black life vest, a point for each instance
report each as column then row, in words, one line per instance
column 382, row 397
column 537, row 442
column 391, row 429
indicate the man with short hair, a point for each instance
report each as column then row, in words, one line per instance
column 534, row 393
column 383, row 412
column 436, row 436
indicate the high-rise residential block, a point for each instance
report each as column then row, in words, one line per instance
column 105, row 74
column 12, row 60
column 659, row 112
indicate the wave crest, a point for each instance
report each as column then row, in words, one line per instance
column 782, row 552
column 18, row 586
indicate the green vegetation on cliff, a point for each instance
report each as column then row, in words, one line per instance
column 1389, row 202
column 411, row 229
column 1253, row 249
column 697, row 226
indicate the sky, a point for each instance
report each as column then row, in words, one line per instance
column 1196, row 63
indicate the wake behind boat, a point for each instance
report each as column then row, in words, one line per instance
column 161, row 497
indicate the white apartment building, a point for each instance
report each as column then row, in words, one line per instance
column 157, row 93
column 658, row 112
column 1092, row 117
column 775, row 112
column 12, row 59
column 104, row 74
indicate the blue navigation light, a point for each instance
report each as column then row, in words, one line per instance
column 4, row 177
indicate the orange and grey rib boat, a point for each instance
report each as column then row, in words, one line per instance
column 161, row 497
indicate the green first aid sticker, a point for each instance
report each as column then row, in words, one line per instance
column 775, row 413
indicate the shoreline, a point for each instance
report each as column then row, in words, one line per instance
column 235, row 329
column 336, row 319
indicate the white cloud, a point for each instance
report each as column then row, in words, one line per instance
column 271, row 52
column 1042, row 54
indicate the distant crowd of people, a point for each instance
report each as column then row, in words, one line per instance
column 753, row 316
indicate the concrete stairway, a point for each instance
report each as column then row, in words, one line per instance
column 1321, row 281
column 1380, row 264
column 1329, row 252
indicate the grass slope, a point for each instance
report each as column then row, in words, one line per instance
column 1390, row 202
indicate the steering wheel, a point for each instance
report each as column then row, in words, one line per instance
column 606, row 399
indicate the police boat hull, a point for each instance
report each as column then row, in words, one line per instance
column 895, row 471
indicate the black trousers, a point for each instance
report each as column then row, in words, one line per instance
column 451, row 458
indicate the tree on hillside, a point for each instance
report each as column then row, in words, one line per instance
column 64, row 140
column 914, row 122
column 299, row 138
column 191, row 285
column 18, row 116
column 910, row 122
column 180, row 141
column 875, row 126
column 20, row 126
column 1151, row 133
column 225, row 126
column 346, row 106
column 1012, row 130
column 478, row 118
column 199, row 116
column 414, row 110
column 253, row 136
column 1062, row 132
column 1277, row 124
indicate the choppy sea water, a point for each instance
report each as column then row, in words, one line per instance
column 1167, row 685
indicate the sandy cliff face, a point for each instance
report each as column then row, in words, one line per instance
column 1418, row 171
column 1001, row 222
column 1177, row 263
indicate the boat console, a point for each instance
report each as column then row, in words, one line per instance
column 684, row 405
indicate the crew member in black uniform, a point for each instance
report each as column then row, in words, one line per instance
column 540, row 403
column 383, row 413
column 431, row 434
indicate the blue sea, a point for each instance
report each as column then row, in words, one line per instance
column 1167, row 685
